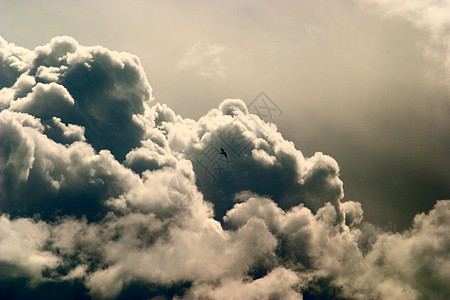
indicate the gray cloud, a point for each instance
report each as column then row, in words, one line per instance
column 260, row 161
column 43, row 177
column 104, row 195
column 109, row 88
column 42, row 98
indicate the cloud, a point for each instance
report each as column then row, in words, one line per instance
column 43, row 97
column 14, row 60
column 205, row 58
column 21, row 245
column 260, row 160
column 109, row 88
column 276, row 285
column 41, row 176
column 106, row 195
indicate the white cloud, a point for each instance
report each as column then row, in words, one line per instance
column 21, row 244
column 278, row 284
column 42, row 98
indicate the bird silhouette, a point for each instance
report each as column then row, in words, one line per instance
column 223, row 152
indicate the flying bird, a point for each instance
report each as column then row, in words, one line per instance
column 223, row 152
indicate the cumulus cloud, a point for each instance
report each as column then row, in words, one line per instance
column 105, row 195
column 21, row 245
column 14, row 61
column 276, row 285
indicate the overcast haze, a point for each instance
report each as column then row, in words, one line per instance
column 366, row 83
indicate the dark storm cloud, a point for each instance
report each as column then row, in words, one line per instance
column 105, row 196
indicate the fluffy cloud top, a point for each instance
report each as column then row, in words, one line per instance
column 105, row 195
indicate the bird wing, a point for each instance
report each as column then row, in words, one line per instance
column 223, row 152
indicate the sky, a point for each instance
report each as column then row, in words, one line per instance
column 113, row 113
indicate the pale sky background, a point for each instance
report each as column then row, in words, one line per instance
column 368, row 88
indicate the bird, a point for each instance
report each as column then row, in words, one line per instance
column 223, row 152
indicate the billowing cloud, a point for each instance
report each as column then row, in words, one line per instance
column 105, row 195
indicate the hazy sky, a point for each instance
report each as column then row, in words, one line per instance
column 95, row 177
